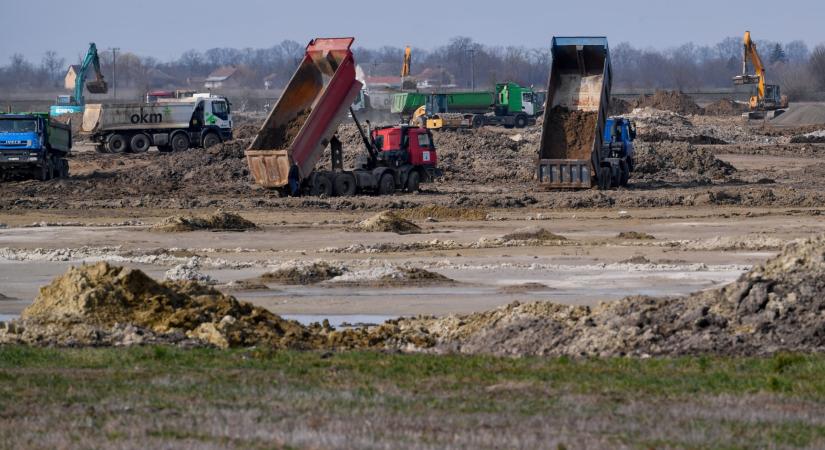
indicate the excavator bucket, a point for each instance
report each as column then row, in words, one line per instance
column 97, row 87
column 299, row 127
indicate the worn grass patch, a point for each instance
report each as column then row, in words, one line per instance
column 256, row 398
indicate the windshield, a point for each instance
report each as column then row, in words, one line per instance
column 18, row 126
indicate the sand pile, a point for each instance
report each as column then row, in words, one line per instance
column 106, row 305
column 676, row 162
column 668, row 101
column 570, row 134
column 389, row 222
column 302, row 273
column 439, row 212
column 532, row 234
column 484, row 155
column 725, row 107
column 220, row 221
column 774, row 307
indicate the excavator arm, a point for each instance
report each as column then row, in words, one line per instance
column 98, row 86
column 752, row 55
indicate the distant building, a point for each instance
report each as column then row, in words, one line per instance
column 71, row 76
column 221, row 78
column 434, row 78
column 386, row 82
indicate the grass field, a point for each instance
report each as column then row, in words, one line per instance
column 152, row 397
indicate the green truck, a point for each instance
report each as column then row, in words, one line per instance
column 509, row 105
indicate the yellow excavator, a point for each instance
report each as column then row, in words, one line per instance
column 768, row 102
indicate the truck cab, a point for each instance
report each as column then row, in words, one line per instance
column 512, row 99
column 410, row 145
column 617, row 148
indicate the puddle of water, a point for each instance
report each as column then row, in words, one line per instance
column 338, row 320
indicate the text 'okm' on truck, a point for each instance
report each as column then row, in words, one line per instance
column 199, row 121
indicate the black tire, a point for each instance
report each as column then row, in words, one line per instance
column 521, row 121
column 604, row 178
column 321, row 185
column 413, row 181
column 386, row 185
column 140, row 143
column 344, row 185
column 164, row 148
column 117, row 144
column 101, row 148
column 211, row 140
column 478, row 121
column 63, row 168
column 624, row 176
column 179, row 142
column 45, row 172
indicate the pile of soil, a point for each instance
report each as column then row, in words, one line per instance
column 220, row 221
column 725, row 107
column 389, row 222
column 300, row 274
column 281, row 137
column 668, row 101
column 89, row 305
column 635, row 235
column 678, row 161
column 570, row 134
column 533, row 234
column 619, row 107
column 775, row 307
column 440, row 212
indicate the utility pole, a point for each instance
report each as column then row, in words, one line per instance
column 114, row 70
column 472, row 52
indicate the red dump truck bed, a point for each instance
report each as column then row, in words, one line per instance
column 312, row 105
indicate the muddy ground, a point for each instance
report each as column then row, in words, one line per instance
column 716, row 194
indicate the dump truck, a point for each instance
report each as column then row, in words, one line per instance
column 33, row 145
column 305, row 120
column 199, row 121
column 509, row 105
column 573, row 152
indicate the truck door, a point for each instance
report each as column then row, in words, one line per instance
column 218, row 115
column 527, row 104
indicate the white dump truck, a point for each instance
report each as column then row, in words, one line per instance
column 200, row 121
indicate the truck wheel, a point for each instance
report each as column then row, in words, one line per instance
column 386, row 186
column 321, row 185
column 344, row 185
column 62, row 168
column 624, row 176
column 116, row 144
column 478, row 121
column 140, row 143
column 521, row 121
column 211, row 140
column 604, row 178
column 413, row 181
column 180, row 142
column 45, row 172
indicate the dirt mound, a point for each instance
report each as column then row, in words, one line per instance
column 390, row 276
column 440, row 212
column 88, row 304
column 532, row 234
column 570, row 133
column 774, row 307
column 619, row 107
column 725, row 107
column 220, row 221
column 389, row 222
column 634, row 235
column 310, row 273
column 668, row 101
column 678, row 161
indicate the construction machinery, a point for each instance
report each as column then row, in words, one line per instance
column 509, row 105
column 33, row 145
column 305, row 120
column 767, row 101
column 202, row 120
column 70, row 104
column 576, row 151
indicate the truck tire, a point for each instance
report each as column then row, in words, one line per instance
column 413, row 181
column 604, row 178
column 180, row 142
column 344, row 185
column 63, row 168
column 45, row 172
column 117, row 144
column 624, row 176
column 140, row 143
column 478, row 121
column 521, row 121
column 386, row 185
column 211, row 140
column 320, row 185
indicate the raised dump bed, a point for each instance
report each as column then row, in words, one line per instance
column 578, row 94
column 313, row 104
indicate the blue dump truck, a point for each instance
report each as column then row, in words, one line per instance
column 579, row 149
column 33, row 146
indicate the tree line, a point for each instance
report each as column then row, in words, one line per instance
column 461, row 62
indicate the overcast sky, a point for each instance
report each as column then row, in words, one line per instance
column 166, row 28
